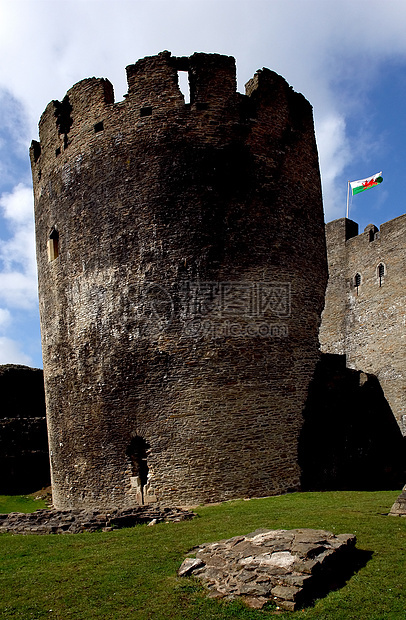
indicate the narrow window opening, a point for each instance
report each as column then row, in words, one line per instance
column 98, row 127
column 357, row 281
column 371, row 235
column 381, row 273
column 183, row 81
column 146, row 111
column 137, row 451
column 58, row 151
column 53, row 245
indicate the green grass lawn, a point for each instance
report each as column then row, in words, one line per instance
column 20, row 503
column 130, row 574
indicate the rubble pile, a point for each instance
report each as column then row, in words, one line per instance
column 76, row 521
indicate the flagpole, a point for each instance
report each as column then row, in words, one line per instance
column 348, row 198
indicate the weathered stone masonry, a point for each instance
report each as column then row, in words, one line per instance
column 365, row 312
column 177, row 246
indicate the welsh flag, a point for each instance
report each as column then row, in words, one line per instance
column 363, row 184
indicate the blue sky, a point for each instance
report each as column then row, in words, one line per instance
column 347, row 57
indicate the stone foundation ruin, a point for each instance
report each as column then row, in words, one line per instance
column 284, row 567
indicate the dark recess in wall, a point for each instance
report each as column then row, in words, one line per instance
column 24, row 460
column 350, row 439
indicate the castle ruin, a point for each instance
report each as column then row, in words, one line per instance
column 365, row 316
column 182, row 272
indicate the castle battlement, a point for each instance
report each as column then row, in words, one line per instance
column 88, row 115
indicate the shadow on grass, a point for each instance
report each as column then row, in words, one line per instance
column 332, row 575
column 330, row 578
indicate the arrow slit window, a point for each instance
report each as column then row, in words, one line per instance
column 53, row 245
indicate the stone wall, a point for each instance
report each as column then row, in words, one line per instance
column 177, row 246
column 365, row 312
column 21, row 392
column 24, row 459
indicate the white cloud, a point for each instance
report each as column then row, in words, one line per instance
column 331, row 51
column 18, row 290
column 5, row 318
column 18, row 282
column 308, row 41
column 334, row 154
column 14, row 137
column 10, row 352
column 18, row 205
column 14, row 122
column 316, row 45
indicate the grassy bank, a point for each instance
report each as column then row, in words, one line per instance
column 20, row 503
column 131, row 574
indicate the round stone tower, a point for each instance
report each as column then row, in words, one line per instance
column 182, row 271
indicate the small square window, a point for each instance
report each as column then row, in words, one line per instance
column 146, row 111
column 98, row 127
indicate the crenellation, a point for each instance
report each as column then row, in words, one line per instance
column 270, row 90
column 35, row 151
column 65, row 122
column 212, row 79
column 153, row 82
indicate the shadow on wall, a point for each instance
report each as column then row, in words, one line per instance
column 350, row 439
column 24, row 460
